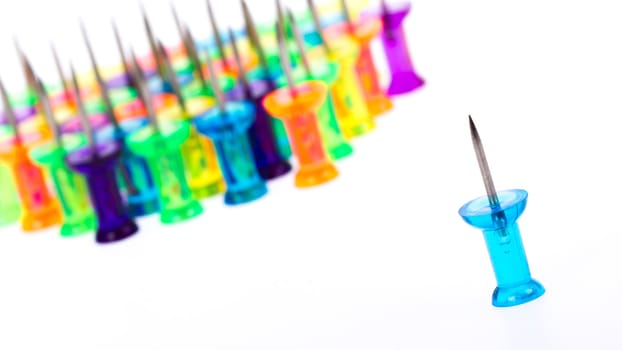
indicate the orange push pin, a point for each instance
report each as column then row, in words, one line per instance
column 40, row 209
column 297, row 105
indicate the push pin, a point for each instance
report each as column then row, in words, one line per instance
column 40, row 209
column 404, row 77
column 136, row 182
column 70, row 187
column 266, row 72
column 161, row 147
column 270, row 163
column 297, row 105
column 228, row 125
column 364, row 31
column 336, row 145
column 99, row 162
column 203, row 173
column 496, row 216
column 352, row 111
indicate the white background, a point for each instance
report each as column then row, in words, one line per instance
column 378, row 259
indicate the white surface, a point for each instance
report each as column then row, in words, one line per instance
column 378, row 259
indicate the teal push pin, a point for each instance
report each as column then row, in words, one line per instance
column 496, row 215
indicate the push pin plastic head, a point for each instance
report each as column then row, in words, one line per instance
column 136, row 184
column 336, row 144
column 70, row 187
column 160, row 145
column 297, row 105
column 98, row 163
column 202, row 171
column 228, row 126
column 40, row 209
column 363, row 31
column 269, row 161
column 496, row 215
column 267, row 71
column 404, row 77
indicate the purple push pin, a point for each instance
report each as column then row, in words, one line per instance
column 404, row 78
column 269, row 161
column 98, row 163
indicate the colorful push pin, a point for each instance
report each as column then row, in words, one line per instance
column 266, row 74
column 40, row 209
column 404, row 77
column 10, row 209
column 70, row 187
column 496, row 216
column 161, row 145
column 228, row 125
column 297, row 105
column 270, row 163
column 363, row 32
column 352, row 111
column 99, row 162
column 334, row 141
column 200, row 158
column 137, row 184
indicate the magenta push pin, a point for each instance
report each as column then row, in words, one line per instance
column 404, row 78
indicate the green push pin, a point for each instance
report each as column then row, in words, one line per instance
column 70, row 187
column 160, row 145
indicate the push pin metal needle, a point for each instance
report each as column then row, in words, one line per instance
column 65, row 96
column 160, row 145
column 270, row 163
column 255, row 41
column 40, row 209
column 496, row 215
column 119, row 43
column 203, row 173
column 157, row 57
column 137, row 183
column 334, row 141
column 216, row 32
column 70, row 187
column 28, row 72
column 319, row 29
column 228, row 125
column 297, row 105
column 98, row 162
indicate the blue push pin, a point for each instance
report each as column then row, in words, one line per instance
column 496, row 216
column 228, row 125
